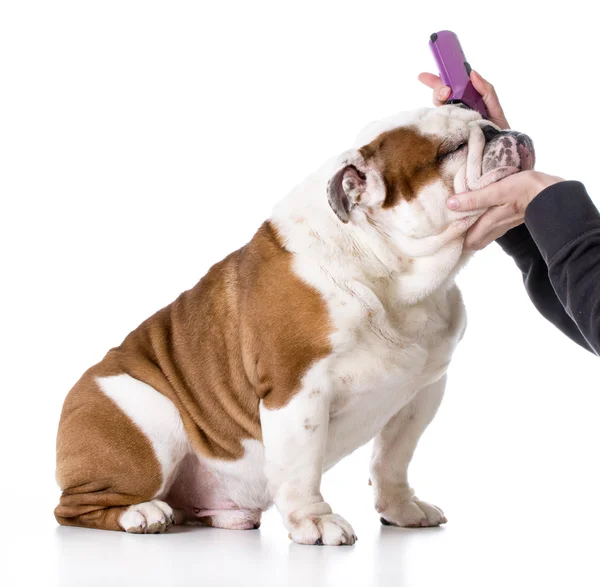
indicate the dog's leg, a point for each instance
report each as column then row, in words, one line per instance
column 295, row 438
column 393, row 449
column 119, row 443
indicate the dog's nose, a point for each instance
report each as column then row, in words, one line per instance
column 489, row 132
column 523, row 139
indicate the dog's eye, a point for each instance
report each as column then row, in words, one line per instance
column 451, row 150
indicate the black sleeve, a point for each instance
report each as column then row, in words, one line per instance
column 558, row 252
column 520, row 246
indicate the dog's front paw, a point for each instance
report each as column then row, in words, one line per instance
column 327, row 529
column 413, row 513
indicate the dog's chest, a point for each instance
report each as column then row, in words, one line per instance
column 378, row 339
column 385, row 354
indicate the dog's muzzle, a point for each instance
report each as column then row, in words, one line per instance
column 507, row 148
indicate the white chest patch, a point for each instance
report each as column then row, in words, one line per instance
column 384, row 357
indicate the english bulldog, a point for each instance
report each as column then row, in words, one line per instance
column 332, row 327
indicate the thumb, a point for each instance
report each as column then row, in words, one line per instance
column 476, row 200
column 441, row 92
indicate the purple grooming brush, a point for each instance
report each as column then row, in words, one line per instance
column 455, row 71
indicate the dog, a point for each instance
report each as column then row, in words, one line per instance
column 333, row 326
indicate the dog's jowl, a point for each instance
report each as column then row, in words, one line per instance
column 333, row 326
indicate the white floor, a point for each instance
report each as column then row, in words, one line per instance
column 474, row 550
column 541, row 533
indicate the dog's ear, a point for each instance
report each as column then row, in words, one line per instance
column 354, row 184
column 344, row 191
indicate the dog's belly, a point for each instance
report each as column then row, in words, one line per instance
column 204, row 488
column 197, row 489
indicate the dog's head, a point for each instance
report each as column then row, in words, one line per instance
column 404, row 169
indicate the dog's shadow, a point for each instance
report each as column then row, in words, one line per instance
column 194, row 555
column 197, row 555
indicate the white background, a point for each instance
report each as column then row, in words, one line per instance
column 140, row 142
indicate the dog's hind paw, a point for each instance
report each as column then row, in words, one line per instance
column 150, row 517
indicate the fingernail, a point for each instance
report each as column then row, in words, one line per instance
column 453, row 204
column 444, row 93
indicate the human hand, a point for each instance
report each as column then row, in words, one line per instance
column 506, row 201
column 441, row 93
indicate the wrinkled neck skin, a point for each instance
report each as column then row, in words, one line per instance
column 372, row 249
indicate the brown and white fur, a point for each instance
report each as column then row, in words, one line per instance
column 333, row 326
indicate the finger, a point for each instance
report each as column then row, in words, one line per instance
column 492, row 225
column 476, row 200
column 441, row 92
column 478, row 234
column 487, row 91
column 489, row 238
column 490, row 99
column 459, row 227
column 431, row 80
